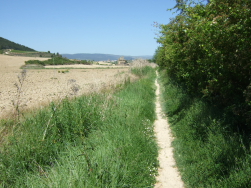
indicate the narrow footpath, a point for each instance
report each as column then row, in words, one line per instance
column 168, row 173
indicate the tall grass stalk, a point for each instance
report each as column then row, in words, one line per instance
column 99, row 140
column 17, row 102
column 209, row 150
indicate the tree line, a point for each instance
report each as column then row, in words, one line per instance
column 58, row 60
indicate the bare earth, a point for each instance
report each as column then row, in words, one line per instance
column 168, row 173
column 41, row 86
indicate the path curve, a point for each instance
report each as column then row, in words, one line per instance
column 169, row 176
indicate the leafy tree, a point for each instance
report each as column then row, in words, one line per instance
column 206, row 48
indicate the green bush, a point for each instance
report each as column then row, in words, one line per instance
column 206, row 48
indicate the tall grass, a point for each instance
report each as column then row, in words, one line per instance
column 141, row 67
column 209, row 151
column 99, row 140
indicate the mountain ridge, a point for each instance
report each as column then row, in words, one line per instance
column 102, row 57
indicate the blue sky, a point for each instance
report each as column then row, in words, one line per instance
column 81, row 26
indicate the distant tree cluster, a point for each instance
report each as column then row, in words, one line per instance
column 58, row 60
column 6, row 44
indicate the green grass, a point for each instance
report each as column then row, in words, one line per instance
column 100, row 140
column 20, row 51
column 209, row 149
column 89, row 68
column 32, row 66
column 141, row 71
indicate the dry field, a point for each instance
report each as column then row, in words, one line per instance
column 42, row 86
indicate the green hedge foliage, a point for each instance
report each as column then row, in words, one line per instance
column 206, row 48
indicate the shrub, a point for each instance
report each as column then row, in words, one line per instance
column 206, row 49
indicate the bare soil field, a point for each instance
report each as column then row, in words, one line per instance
column 42, row 86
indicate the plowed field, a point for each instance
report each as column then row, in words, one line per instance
column 41, row 86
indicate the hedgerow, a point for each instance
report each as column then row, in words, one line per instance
column 205, row 55
column 206, row 48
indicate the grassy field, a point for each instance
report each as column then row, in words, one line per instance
column 31, row 54
column 210, row 150
column 97, row 140
column 20, row 51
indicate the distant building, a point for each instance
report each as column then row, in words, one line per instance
column 122, row 60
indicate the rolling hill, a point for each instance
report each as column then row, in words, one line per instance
column 101, row 57
column 7, row 44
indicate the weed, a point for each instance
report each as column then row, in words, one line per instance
column 73, row 86
column 17, row 102
column 64, row 71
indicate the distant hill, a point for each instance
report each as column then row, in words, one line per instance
column 6, row 44
column 101, row 57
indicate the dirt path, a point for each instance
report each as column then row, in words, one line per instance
column 168, row 173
